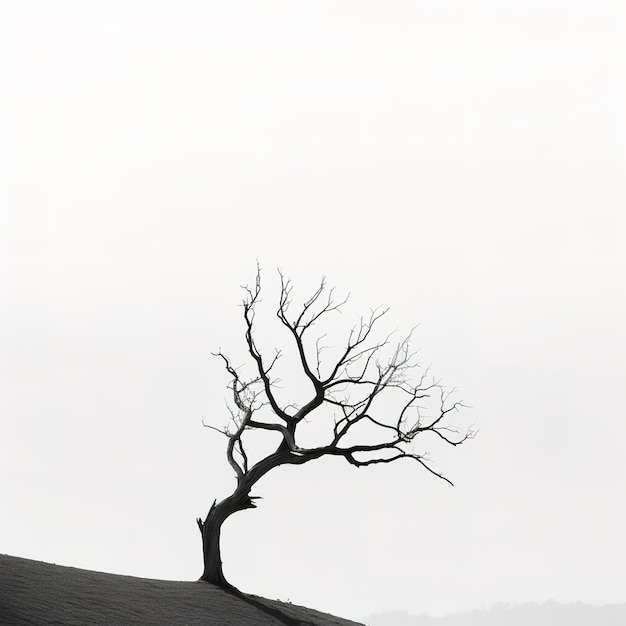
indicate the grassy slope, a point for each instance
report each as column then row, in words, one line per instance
column 32, row 592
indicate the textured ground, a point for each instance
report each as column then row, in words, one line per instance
column 32, row 592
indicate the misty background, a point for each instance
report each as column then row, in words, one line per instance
column 459, row 162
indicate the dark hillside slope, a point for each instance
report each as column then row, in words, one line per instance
column 32, row 592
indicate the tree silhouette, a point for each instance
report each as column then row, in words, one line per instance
column 346, row 395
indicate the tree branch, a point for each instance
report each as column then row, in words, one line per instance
column 249, row 305
column 366, row 431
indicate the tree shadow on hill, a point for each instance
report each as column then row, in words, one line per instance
column 269, row 610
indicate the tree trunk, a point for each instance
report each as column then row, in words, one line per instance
column 211, row 528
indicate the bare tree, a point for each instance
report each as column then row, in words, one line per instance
column 363, row 430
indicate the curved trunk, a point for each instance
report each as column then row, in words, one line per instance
column 221, row 511
column 211, row 529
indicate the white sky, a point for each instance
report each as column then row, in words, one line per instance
column 461, row 162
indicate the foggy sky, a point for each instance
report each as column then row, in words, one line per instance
column 459, row 162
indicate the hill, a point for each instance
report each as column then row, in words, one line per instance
column 547, row 614
column 37, row 593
